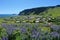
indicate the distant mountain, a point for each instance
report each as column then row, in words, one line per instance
column 42, row 10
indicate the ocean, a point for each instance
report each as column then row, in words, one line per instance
column 6, row 15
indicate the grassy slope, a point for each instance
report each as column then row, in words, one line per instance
column 55, row 11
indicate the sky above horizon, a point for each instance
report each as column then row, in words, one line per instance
column 15, row 6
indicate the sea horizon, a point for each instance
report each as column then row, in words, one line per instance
column 5, row 15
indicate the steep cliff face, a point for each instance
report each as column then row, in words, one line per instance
column 40, row 10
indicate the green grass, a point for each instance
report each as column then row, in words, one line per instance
column 53, row 11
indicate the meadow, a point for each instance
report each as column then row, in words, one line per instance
column 30, row 27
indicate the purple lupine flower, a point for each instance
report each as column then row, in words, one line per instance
column 35, row 33
column 4, row 24
column 4, row 38
column 12, row 25
column 55, row 27
column 22, row 29
column 9, row 30
column 56, row 34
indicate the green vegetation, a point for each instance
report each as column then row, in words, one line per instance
column 53, row 10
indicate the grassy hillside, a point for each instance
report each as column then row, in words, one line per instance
column 50, row 10
column 54, row 12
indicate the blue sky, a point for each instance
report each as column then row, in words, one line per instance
column 15, row 6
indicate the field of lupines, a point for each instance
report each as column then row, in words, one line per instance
column 30, row 28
